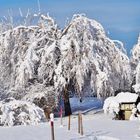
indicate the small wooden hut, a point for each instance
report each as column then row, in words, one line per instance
column 127, row 103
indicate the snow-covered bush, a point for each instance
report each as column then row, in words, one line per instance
column 138, row 107
column 111, row 105
column 14, row 112
column 134, row 115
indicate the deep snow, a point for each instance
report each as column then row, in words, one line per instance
column 96, row 127
column 96, row 124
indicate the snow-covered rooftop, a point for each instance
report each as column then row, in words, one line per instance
column 126, row 97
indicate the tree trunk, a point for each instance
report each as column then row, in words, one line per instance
column 67, row 102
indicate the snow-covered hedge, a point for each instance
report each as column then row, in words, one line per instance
column 14, row 112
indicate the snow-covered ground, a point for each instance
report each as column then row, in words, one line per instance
column 96, row 127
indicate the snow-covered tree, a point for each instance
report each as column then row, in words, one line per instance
column 29, row 57
column 29, row 53
column 135, row 64
column 90, row 61
column 44, row 61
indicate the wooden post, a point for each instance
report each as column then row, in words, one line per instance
column 61, row 121
column 69, row 122
column 61, row 115
column 79, row 123
column 52, row 126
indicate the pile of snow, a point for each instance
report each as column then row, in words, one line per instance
column 112, row 104
column 14, row 112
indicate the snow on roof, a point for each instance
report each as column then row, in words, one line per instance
column 126, row 97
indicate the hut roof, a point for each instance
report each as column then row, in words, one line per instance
column 126, row 97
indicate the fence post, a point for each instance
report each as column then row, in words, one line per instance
column 52, row 126
column 61, row 115
column 69, row 122
column 81, row 123
column 79, row 127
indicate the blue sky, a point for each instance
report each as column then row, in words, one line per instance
column 121, row 18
